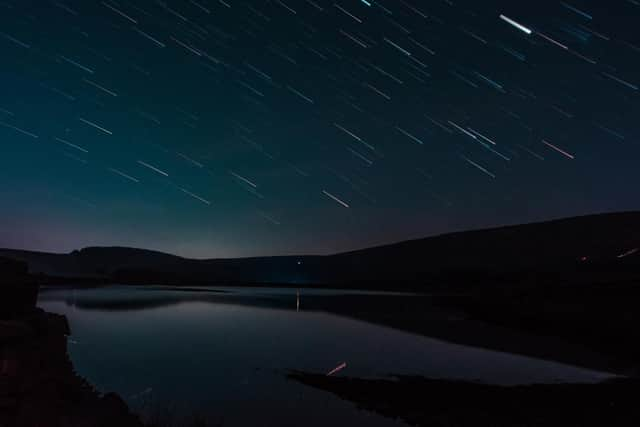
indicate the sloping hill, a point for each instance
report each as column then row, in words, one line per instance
column 587, row 246
column 560, row 245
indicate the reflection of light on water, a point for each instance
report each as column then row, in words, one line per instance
column 337, row 369
column 240, row 321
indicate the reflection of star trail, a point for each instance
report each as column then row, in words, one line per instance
column 337, row 369
column 271, row 109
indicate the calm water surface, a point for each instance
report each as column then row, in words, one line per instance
column 225, row 352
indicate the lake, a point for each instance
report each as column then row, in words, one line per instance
column 225, row 352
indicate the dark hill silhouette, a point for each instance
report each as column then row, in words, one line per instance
column 588, row 247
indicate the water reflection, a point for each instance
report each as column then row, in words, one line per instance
column 226, row 351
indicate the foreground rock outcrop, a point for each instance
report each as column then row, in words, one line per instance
column 38, row 385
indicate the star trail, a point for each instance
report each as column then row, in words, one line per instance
column 235, row 128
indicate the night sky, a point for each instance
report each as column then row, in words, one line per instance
column 222, row 128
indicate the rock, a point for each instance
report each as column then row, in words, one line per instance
column 38, row 385
column 12, row 330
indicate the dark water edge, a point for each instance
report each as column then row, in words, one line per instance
column 440, row 403
column 38, row 384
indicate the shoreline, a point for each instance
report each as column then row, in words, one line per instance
column 39, row 385
column 426, row 402
column 434, row 316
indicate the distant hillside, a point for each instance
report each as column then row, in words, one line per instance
column 587, row 244
column 580, row 248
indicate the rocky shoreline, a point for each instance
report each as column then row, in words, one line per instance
column 38, row 384
column 428, row 402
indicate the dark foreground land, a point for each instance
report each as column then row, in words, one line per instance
column 38, row 385
column 440, row 403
